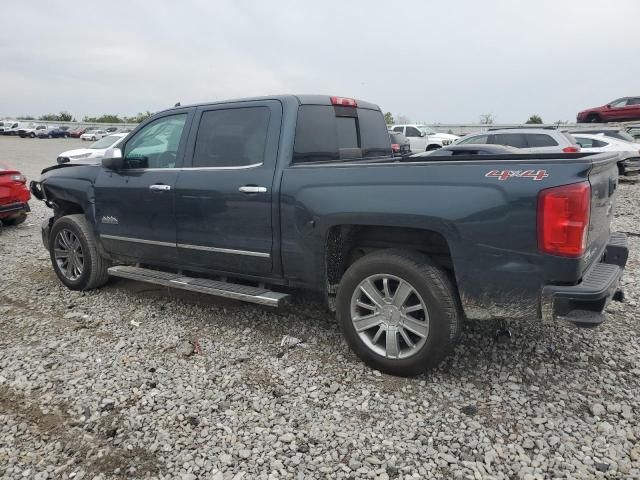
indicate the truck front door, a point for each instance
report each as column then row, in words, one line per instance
column 417, row 141
column 135, row 205
column 224, row 193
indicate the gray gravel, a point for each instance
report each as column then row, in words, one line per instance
column 134, row 381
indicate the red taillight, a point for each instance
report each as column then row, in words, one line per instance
column 19, row 178
column 571, row 149
column 395, row 148
column 343, row 102
column 563, row 219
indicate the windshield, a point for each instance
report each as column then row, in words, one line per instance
column 105, row 142
column 426, row 130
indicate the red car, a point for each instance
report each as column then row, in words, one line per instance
column 622, row 109
column 76, row 132
column 14, row 196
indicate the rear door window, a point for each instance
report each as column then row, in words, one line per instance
column 327, row 133
column 474, row 139
column 233, row 137
column 517, row 140
column 540, row 140
column 412, row 132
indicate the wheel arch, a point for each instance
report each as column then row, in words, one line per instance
column 346, row 243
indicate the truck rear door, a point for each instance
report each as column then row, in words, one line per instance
column 224, row 193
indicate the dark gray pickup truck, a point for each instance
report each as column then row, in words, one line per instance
column 249, row 199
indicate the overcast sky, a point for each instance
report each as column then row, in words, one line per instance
column 433, row 61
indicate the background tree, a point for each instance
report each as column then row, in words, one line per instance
column 486, row 119
column 402, row 119
column 60, row 117
column 26, row 117
column 140, row 117
column 388, row 118
column 534, row 119
column 106, row 118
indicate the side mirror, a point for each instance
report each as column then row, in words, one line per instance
column 608, row 105
column 112, row 159
column 423, row 134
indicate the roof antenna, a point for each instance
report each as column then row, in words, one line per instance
column 177, row 104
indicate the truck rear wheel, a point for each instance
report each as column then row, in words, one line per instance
column 398, row 311
column 74, row 254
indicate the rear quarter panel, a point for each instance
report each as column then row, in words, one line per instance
column 489, row 224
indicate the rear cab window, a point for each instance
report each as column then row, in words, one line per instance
column 326, row 133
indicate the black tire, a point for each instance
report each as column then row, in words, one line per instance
column 32, row 135
column 594, row 118
column 94, row 272
column 435, row 288
column 433, row 147
column 15, row 220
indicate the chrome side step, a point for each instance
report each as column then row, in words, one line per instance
column 202, row 285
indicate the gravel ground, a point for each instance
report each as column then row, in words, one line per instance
column 134, row 381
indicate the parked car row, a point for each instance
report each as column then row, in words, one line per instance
column 33, row 130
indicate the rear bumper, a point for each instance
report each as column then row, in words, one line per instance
column 584, row 303
column 11, row 209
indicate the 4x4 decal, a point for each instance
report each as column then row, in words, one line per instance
column 507, row 174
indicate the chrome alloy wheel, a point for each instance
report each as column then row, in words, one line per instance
column 68, row 254
column 390, row 316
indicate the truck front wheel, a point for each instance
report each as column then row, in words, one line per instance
column 74, row 255
column 398, row 311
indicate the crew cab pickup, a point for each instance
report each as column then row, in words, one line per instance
column 251, row 199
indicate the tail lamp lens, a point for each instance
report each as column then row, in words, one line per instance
column 563, row 219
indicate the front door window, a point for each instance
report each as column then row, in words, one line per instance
column 156, row 144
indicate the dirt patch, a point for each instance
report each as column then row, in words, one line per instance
column 91, row 451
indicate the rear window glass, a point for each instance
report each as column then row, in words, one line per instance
column 323, row 136
column 540, row 140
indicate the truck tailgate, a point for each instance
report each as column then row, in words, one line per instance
column 603, row 178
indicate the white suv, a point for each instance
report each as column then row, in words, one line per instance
column 423, row 137
column 531, row 140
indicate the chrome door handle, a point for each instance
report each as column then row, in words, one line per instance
column 252, row 189
column 159, row 186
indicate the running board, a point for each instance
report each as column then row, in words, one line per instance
column 202, row 285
